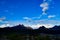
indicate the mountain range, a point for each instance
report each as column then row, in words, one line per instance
column 28, row 30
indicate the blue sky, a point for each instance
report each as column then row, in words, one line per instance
column 29, row 12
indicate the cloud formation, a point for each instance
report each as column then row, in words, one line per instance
column 40, row 25
column 27, row 18
column 4, row 25
column 44, row 6
column 45, row 22
column 2, row 18
column 51, row 16
column 3, row 22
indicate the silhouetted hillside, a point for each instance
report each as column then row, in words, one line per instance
column 20, row 32
column 28, row 30
column 56, row 27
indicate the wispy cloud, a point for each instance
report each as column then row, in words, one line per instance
column 40, row 25
column 44, row 6
column 51, row 16
column 27, row 18
column 45, row 22
column 3, row 22
column 2, row 18
column 4, row 25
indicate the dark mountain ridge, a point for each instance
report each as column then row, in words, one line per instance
column 28, row 30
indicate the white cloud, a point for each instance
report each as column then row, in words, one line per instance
column 4, row 25
column 51, row 16
column 27, row 18
column 39, row 25
column 35, row 26
column 35, row 23
column 44, row 6
column 47, row 23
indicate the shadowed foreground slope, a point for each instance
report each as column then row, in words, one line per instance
column 20, row 32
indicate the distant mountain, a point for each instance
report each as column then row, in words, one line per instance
column 41, row 28
column 56, row 27
column 54, row 30
column 17, row 29
column 28, row 30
